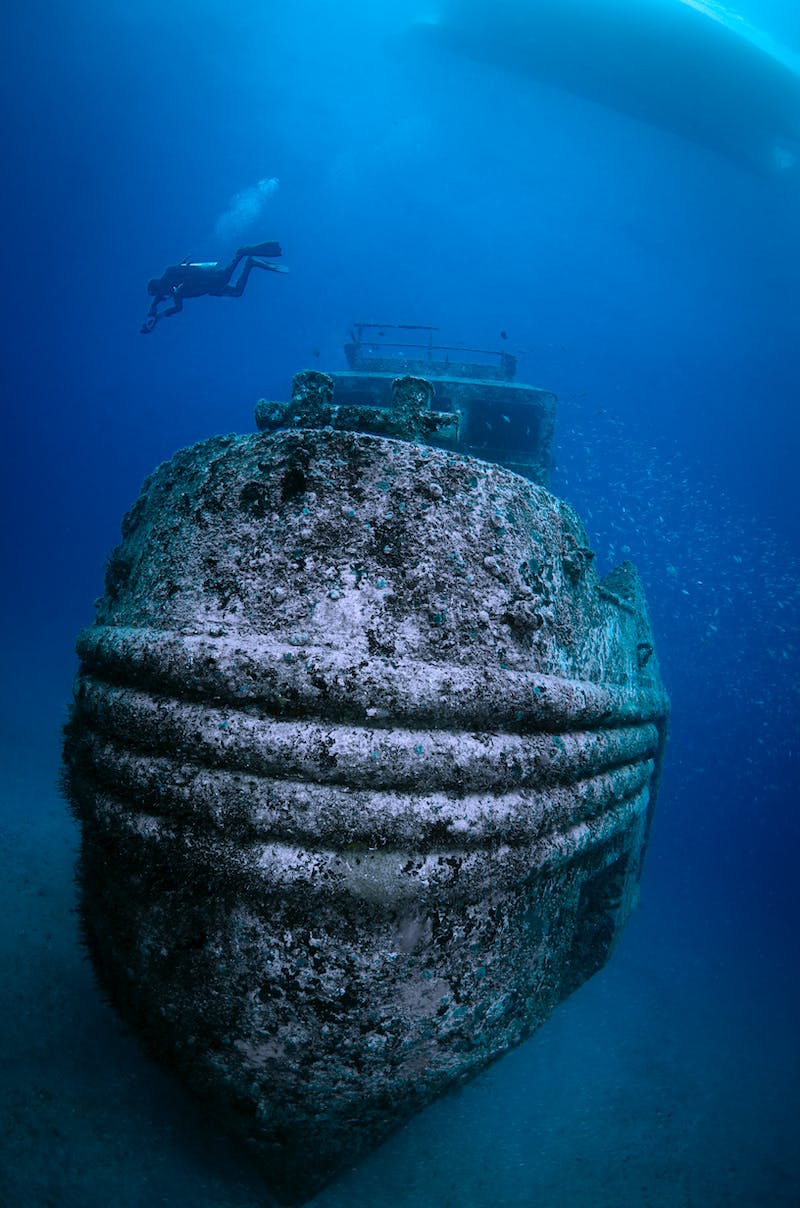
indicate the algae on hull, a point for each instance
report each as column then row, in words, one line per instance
column 364, row 757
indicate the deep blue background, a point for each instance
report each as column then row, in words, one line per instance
column 655, row 288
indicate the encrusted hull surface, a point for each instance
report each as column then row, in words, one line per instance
column 364, row 757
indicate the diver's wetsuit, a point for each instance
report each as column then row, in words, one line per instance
column 187, row 280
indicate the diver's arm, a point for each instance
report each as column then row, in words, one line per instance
column 154, row 314
column 177, row 303
column 152, row 317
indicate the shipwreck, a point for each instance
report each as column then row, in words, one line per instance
column 363, row 751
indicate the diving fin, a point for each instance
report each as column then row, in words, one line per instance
column 264, row 249
column 274, row 268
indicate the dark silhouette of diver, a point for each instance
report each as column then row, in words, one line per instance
column 187, row 280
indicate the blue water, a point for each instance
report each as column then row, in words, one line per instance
column 654, row 286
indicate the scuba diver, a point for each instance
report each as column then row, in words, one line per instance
column 188, row 280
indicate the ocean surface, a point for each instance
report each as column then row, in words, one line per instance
column 649, row 280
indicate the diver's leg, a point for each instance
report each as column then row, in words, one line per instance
column 227, row 272
column 236, row 291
